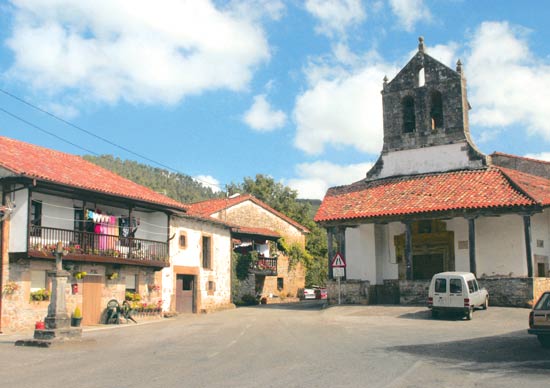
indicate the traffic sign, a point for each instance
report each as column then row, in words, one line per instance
column 338, row 261
column 338, row 272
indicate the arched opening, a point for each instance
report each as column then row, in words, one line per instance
column 421, row 78
column 436, row 110
column 409, row 121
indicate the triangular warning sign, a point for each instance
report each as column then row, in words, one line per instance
column 338, row 261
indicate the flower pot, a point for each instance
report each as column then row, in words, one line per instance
column 75, row 322
column 40, row 325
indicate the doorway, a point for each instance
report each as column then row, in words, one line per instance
column 185, row 294
column 91, row 300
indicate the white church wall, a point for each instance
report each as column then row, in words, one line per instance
column 461, row 244
column 361, row 253
column 500, row 246
column 540, row 242
column 427, row 159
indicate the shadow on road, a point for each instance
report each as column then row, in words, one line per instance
column 427, row 314
column 303, row 305
column 496, row 352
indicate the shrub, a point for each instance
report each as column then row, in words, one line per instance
column 248, row 300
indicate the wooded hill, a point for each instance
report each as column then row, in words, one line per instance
column 177, row 186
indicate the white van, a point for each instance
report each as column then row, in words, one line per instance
column 456, row 292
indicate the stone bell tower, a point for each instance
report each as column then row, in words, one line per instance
column 426, row 129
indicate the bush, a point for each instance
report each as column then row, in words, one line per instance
column 248, row 300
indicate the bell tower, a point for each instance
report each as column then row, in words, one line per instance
column 425, row 110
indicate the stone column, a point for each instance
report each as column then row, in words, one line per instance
column 472, row 244
column 408, row 250
column 528, row 252
column 58, row 317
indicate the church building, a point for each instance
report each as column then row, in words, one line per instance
column 433, row 202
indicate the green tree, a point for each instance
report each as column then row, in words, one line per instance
column 285, row 200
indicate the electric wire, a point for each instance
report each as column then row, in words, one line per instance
column 23, row 101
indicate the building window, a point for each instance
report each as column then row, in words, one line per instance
column 409, row 120
column 280, row 283
column 436, row 110
column 131, row 283
column 38, row 280
column 211, row 287
column 206, row 252
column 36, row 218
column 183, row 240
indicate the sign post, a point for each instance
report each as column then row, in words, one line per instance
column 338, row 265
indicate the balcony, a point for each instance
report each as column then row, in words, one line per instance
column 103, row 248
column 264, row 266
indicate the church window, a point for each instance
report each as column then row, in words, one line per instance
column 436, row 110
column 421, row 78
column 409, row 121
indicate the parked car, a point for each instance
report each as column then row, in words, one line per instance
column 308, row 293
column 456, row 292
column 539, row 320
column 320, row 292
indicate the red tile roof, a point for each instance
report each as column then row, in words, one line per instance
column 28, row 160
column 536, row 187
column 256, row 231
column 460, row 190
column 212, row 206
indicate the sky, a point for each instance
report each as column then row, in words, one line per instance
column 223, row 90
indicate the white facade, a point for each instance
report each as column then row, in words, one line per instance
column 187, row 260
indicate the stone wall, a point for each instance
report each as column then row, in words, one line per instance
column 540, row 285
column 508, row 292
column 351, row 291
column 414, row 292
column 19, row 313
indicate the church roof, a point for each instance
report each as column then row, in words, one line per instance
column 30, row 161
column 436, row 192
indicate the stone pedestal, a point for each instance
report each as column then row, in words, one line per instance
column 58, row 317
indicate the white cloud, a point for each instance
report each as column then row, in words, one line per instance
column 508, row 84
column 209, row 181
column 409, row 12
column 315, row 178
column 335, row 16
column 341, row 108
column 137, row 51
column 540, row 156
column 262, row 117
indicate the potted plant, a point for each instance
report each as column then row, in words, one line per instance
column 76, row 317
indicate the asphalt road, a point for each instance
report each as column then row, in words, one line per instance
column 297, row 345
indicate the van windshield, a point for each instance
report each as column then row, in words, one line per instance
column 455, row 286
column 440, row 285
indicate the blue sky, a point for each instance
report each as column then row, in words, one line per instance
column 222, row 90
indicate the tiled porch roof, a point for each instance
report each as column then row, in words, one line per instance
column 31, row 161
column 459, row 190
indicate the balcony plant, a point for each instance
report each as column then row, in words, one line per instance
column 10, row 288
column 76, row 317
column 40, row 295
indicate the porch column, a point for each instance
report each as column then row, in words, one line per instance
column 472, row 244
column 342, row 245
column 330, row 249
column 408, row 249
column 528, row 252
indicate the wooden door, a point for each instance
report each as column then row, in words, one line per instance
column 185, row 292
column 91, row 300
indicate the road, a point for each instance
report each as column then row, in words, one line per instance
column 298, row 345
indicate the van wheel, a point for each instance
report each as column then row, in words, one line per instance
column 544, row 340
column 470, row 314
column 486, row 304
column 435, row 314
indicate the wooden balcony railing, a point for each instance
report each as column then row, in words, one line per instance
column 42, row 241
column 265, row 266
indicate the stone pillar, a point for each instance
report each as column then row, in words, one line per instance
column 472, row 244
column 408, row 250
column 58, row 317
column 528, row 252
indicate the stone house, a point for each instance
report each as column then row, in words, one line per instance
column 115, row 233
column 433, row 202
column 257, row 226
